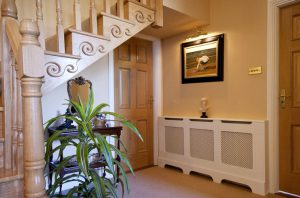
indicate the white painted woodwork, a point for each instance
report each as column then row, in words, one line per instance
column 60, row 28
column 233, row 150
column 77, row 14
column 9, row 9
column 120, row 8
column 106, row 6
column 93, row 17
column 31, row 75
column 40, row 22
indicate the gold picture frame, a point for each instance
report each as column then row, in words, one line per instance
column 203, row 60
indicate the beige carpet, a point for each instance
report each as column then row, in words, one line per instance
column 170, row 183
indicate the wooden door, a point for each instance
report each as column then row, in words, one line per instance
column 289, row 110
column 133, row 91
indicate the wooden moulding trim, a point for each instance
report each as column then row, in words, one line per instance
column 117, row 18
column 140, row 4
column 88, row 34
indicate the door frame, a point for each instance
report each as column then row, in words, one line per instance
column 272, row 88
column 157, row 85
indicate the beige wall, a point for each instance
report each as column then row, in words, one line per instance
column 244, row 24
column 198, row 9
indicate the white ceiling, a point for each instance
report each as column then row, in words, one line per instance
column 174, row 23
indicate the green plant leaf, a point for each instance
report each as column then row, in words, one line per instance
column 123, row 174
column 82, row 158
column 106, row 150
column 123, row 158
column 97, row 110
column 132, row 128
column 98, row 184
column 90, row 103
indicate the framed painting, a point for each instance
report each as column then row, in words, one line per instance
column 203, row 60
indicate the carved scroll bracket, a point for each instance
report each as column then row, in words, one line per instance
column 142, row 17
column 56, row 64
column 88, row 49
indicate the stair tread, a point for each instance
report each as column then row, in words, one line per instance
column 8, row 175
column 88, row 34
column 62, row 55
column 141, row 4
column 116, row 17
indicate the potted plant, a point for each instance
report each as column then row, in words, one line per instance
column 90, row 182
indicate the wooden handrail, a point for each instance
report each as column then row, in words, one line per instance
column 14, row 37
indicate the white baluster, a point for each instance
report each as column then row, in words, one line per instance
column 120, row 8
column 77, row 13
column 60, row 28
column 106, row 6
column 40, row 22
column 93, row 17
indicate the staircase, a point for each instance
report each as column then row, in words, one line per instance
column 32, row 65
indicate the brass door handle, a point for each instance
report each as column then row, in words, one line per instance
column 283, row 98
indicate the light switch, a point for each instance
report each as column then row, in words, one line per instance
column 255, row 70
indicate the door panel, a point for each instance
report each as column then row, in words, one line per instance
column 124, row 93
column 296, row 147
column 133, row 69
column 289, row 110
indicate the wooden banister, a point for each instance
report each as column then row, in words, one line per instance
column 77, row 14
column 9, row 9
column 13, row 35
column 31, row 74
column 93, row 17
column 60, row 28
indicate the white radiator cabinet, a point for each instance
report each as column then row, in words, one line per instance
column 224, row 149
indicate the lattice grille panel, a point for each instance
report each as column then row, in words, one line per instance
column 202, row 144
column 174, row 140
column 237, row 149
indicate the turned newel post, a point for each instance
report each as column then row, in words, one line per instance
column 9, row 9
column 31, row 73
